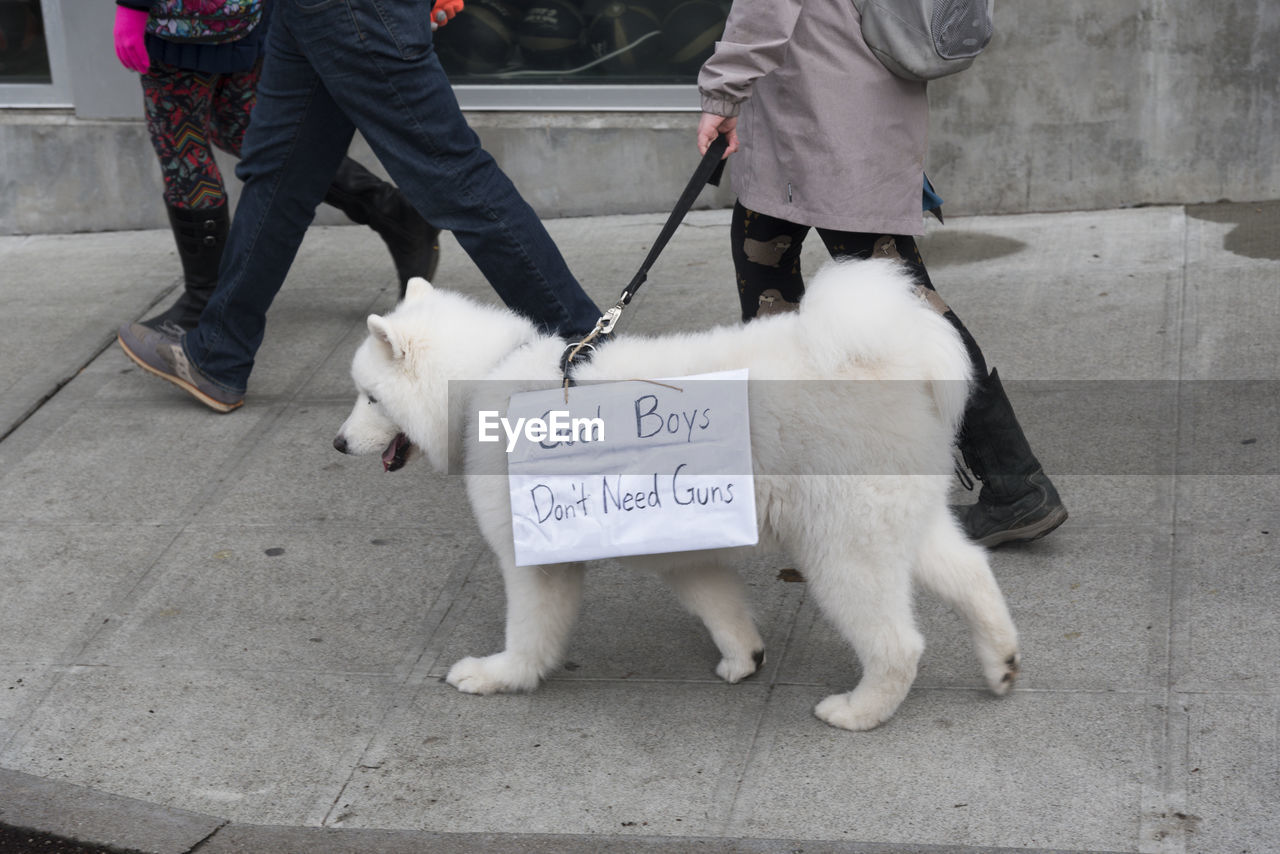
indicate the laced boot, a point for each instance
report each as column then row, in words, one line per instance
column 1018, row 503
column 200, row 234
column 365, row 198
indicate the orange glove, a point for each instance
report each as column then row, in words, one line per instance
column 443, row 11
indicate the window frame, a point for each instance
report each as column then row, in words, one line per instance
column 603, row 97
column 55, row 94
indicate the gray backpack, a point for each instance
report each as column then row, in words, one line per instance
column 921, row 40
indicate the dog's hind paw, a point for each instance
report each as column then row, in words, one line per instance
column 493, row 674
column 735, row 670
column 1002, row 673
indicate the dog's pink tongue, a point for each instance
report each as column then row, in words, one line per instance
column 393, row 456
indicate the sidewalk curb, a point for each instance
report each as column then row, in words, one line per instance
column 56, row 812
column 80, row 814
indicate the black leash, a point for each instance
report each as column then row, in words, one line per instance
column 708, row 172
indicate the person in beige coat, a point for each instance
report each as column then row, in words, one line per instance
column 826, row 137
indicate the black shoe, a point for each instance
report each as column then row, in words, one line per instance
column 1018, row 503
column 1017, row 513
column 201, row 235
column 365, row 198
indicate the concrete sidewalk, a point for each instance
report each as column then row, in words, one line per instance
column 217, row 631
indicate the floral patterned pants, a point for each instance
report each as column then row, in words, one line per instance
column 189, row 112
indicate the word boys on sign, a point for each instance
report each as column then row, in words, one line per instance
column 635, row 468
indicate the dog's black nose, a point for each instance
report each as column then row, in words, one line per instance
column 340, row 444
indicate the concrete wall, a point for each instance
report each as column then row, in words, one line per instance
column 1077, row 104
column 1105, row 103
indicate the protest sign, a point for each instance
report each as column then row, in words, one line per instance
column 625, row 468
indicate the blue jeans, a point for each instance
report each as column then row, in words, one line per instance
column 333, row 66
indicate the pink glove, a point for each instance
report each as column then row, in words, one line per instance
column 130, row 32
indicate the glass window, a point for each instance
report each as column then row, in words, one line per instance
column 576, row 43
column 24, row 55
column 33, row 70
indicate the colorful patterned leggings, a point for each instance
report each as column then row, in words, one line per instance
column 766, row 259
column 188, row 112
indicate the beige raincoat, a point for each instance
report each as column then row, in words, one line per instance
column 828, row 136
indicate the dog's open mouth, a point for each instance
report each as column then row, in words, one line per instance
column 394, row 456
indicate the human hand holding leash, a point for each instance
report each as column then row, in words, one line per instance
column 443, row 12
column 130, row 36
column 711, row 126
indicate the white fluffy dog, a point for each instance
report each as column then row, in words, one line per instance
column 854, row 486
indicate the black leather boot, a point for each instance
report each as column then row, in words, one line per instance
column 200, row 234
column 1018, row 503
column 367, row 199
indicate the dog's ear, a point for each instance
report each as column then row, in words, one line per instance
column 383, row 330
column 416, row 288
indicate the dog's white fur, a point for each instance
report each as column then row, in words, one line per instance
column 860, row 540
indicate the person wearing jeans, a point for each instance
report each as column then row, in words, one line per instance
column 199, row 75
column 333, row 67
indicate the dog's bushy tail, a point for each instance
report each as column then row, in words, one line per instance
column 871, row 312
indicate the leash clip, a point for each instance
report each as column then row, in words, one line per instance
column 610, row 319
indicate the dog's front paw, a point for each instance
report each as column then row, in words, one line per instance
column 847, row 712
column 734, row 670
column 493, row 674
